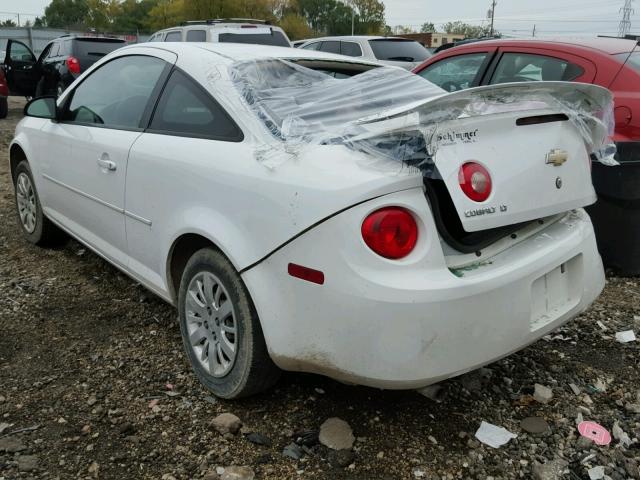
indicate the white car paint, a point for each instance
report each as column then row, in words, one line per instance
column 384, row 323
column 365, row 47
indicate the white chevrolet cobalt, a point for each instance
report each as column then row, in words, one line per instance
column 306, row 211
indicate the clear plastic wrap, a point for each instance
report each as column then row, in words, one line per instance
column 392, row 114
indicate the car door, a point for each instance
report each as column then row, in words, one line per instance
column 47, row 66
column 20, row 69
column 458, row 72
column 100, row 120
column 183, row 156
column 526, row 64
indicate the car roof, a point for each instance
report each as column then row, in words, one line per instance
column 232, row 52
column 609, row 46
column 357, row 37
column 202, row 26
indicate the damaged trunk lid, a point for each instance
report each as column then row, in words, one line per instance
column 536, row 150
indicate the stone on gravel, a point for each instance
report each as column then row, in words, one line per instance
column 336, row 434
column 596, row 473
column 11, row 445
column 238, row 473
column 633, row 408
column 211, row 476
column 27, row 463
column 259, row 439
column 340, row 458
column 293, row 451
column 226, row 423
column 553, row 470
column 542, row 394
column 535, row 425
column 621, row 435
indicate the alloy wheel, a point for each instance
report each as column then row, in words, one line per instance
column 211, row 324
column 27, row 204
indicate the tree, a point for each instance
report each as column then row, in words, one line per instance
column 466, row 29
column 66, row 13
column 401, row 30
column 295, row 26
column 40, row 22
column 428, row 27
column 8, row 23
column 369, row 16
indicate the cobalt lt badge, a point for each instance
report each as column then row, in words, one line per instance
column 558, row 183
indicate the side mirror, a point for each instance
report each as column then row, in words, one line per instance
column 42, row 107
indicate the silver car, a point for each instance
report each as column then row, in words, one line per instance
column 400, row 52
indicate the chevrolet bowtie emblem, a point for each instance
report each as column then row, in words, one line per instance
column 557, row 157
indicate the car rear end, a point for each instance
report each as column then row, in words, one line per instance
column 250, row 33
column 491, row 253
column 85, row 51
column 398, row 52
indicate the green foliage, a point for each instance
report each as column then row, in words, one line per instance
column 466, row 29
column 8, row 23
column 66, row 13
column 299, row 18
column 428, row 27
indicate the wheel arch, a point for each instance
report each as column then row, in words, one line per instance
column 181, row 250
column 16, row 155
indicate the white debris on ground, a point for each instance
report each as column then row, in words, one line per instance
column 493, row 435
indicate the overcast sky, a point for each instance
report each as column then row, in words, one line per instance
column 513, row 17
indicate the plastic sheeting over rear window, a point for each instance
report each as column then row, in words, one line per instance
column 393, row 114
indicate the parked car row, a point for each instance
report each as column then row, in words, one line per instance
column 295, row 210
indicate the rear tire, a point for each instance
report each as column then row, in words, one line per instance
column 220, row 329
column 4, row 107
column 37, row 228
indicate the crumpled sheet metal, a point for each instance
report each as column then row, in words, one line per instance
column 392, row 114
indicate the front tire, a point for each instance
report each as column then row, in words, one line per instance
column 220, row 328
column 37, row 228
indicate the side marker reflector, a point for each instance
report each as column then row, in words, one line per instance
column 306, row 273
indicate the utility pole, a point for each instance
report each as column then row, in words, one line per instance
column 493, row 13
column 534, row 29
column 625, row 23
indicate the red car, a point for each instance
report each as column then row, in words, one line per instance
column 613, row 63
column 4, row 93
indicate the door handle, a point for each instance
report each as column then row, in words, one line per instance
column 107, row 164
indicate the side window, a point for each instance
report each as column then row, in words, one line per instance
column 330, row 47
column 173, row 37
column 55, row 50
column 65, row 48
column 312, row 46
column 116, row 94
column 196, row 36
column 524, row 67
column 156, row 38
column 455, row 73
column 350, row 49
column 187, row 109
column 21, row 53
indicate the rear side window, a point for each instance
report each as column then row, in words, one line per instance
column 95, row 48
column 196, row 36
column 116, row 94
column 55, row 50
column 330, row 47
column 185, row 109
column 399, row 50
column 455, row 73
column 276, row 38
column 156, row 38
column 525, row 67
column 173, row 37
column 351, row 49
column 633, row 60
column 312, row 46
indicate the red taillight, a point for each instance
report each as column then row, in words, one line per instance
column 475, row 181
column 391, row 232
column 73, row 65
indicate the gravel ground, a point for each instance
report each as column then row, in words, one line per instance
column 93, row 366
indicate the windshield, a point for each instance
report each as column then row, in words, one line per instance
column 633, row 59
column 277, row 39
column 399, row 50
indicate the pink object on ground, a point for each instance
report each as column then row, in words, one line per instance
column 595, row 432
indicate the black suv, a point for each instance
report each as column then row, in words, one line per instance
column 58, row 66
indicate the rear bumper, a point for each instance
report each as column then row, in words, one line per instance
column 408, row 327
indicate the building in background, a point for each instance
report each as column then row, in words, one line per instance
column 433, row 40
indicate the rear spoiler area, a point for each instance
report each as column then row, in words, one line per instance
column 396, row 117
